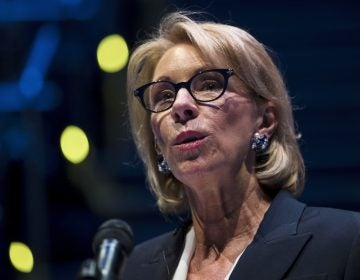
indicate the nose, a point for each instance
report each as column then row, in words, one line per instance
column 185, row 107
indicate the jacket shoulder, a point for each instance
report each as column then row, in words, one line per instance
column 331, row 224
column 335, row 243
column 331, row 218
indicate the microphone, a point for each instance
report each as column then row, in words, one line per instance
column 112, row 243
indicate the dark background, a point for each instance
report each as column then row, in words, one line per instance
column 55, row 207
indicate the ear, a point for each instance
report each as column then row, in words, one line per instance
column 269, row 120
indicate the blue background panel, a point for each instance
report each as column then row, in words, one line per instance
column 49, row 78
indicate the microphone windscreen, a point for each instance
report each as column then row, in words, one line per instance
column 115, row 229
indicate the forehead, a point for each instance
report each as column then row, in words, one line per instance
column 179, row 62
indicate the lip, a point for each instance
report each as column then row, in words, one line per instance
column 189, row 137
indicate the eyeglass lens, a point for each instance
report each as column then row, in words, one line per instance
column 205, row 86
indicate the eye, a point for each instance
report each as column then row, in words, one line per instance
column 160, row 95
column 208, row 82
column 209, row 85
column 163, row 96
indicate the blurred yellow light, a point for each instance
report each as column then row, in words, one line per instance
column 21, row 257
column 112, row 53
column 74, row 144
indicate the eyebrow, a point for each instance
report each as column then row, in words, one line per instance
column 163, row 78
column 197, row 71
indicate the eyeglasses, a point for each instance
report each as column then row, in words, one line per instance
column 205, row 86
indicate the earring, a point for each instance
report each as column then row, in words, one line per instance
column 162, row 164
column 259, row 143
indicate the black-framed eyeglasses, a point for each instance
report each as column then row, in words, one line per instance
column 205, row 86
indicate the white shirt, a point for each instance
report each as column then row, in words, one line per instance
column 183, row 266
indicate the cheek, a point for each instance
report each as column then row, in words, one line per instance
column 155, row 127
column 158, row 129
column 239, row 112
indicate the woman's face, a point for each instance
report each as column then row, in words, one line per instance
column 198, row 139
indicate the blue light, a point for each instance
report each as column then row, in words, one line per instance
column 31, row 82
column 44, row 47
column 47, row 10
column 32, row 90
column 41, row 54
column 12, row 99
column 73, row 3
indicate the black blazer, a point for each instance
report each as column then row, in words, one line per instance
column 293, row 242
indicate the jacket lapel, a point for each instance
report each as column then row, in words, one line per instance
column 276, row 244
column 272, row 252
column 163, row 262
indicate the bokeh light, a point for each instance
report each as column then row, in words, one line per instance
column 31, row 82
column 21, row 257
column 74, row 144
column 112, row 53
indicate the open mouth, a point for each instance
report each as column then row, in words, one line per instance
column 188, row 137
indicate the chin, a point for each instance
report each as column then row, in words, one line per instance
column 193, row 169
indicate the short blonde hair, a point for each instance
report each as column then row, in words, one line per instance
column 281, row 166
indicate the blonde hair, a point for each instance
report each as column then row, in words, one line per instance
column 281, row 166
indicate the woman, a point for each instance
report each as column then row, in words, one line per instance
column 212, row 121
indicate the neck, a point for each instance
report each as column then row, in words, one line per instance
column 226, row 217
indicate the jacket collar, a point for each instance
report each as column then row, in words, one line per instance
column 276, row 244
column 161, row 262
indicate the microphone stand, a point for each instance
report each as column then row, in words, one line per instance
column 88, row 270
